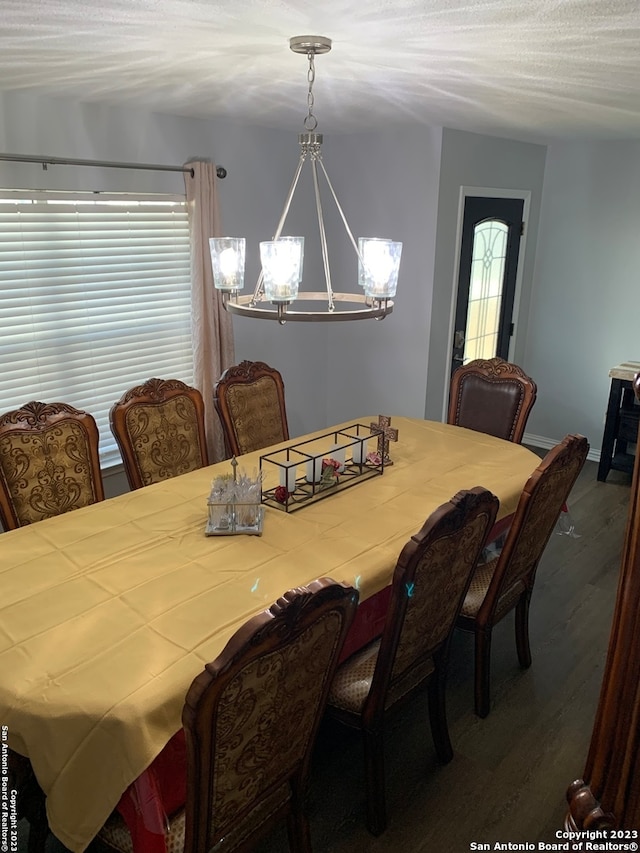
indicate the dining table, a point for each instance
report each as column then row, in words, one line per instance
column 110, row 611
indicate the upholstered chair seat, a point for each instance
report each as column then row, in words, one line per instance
column 49, row 462
column 249, row 399
column 429, row 584
column 352, row 683
column 492, row 396
column 160, row 430
column 478, row 587
column 506, row 582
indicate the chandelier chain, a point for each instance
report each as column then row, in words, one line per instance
column 310, row 121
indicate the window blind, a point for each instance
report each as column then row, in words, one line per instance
column 94, row 299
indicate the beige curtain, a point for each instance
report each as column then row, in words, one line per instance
column 211, row 326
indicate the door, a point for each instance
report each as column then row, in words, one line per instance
column 491, row 232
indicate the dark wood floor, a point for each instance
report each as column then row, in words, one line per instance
column 508, row 778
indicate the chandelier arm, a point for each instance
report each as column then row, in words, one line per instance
column 258, row 292
column 323, row 235
column 340, row 211
column 344, row 219
column 292, row 189
column 259, row 289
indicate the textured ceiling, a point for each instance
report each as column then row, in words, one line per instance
column 531, row 69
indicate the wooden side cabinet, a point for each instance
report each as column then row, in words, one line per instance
column 621, row 421
column 608, row 795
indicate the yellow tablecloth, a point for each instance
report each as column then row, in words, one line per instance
column 109, row 612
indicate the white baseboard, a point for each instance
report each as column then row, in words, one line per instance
column 548, row 443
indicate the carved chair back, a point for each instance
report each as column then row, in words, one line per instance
column 251, row 718
column 49, row 462
column 160, row 429
column 429, row 584
column 493, row 396
column 249, row 399
column 507, row 581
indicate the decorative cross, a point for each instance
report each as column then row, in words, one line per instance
column 388, row 434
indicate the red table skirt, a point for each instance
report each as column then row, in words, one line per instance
column 161, row 790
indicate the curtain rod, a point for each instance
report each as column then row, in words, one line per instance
column 221, row 172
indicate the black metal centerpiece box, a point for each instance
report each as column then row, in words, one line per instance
column 302, row 473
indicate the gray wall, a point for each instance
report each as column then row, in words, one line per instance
column 66, row 128
column 583, row 318
column 391, row 183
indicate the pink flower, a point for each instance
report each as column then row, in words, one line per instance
column 330, row 469
column 374, row 458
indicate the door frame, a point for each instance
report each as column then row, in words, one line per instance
column 484, row 192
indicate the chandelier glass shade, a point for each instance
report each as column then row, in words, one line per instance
column 278, row 287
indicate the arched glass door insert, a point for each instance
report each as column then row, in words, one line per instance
column 487, row 279
column 488, row 256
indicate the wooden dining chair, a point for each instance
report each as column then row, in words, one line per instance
column 250, row 721
column 249, row 399
column 160, row 429
column 492, row 396
column 429, row 584
column 49, row 462
column 506, row 582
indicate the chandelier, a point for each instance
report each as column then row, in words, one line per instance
column 278, row 287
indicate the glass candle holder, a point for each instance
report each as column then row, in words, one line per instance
column 220, row 515
column 282, row 268
column 227, row 262
column 381, row 262
column 247, row 517
column 365, row 245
